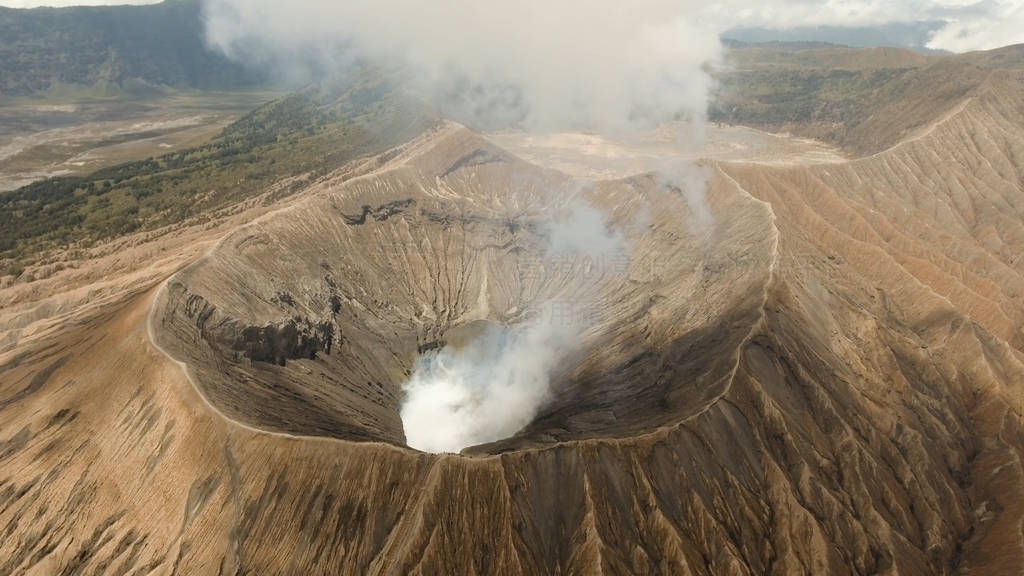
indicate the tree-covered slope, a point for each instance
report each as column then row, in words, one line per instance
column 161, row 44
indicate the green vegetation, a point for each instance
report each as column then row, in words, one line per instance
column 120, row 47
column 774, row 97
column 309, row 133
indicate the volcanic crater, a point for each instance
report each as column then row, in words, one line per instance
column 309, row 320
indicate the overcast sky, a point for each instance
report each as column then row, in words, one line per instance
column 972, row 24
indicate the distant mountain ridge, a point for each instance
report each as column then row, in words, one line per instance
column 42, row 49
column 912, row 35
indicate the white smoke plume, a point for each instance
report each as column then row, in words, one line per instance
column 583, row 64
column 484, row 392
column 584, row 232
column 492, row 388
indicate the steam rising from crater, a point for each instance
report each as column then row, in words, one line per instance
column 572, row 64
column 492, row 388
column 484, row 392
column 599, row 66
column 585, row 233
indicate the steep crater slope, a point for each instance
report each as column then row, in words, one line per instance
column 888, row 381
column 309, row 321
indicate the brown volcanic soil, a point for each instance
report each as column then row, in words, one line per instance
column 829, row 381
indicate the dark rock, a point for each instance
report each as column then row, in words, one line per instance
column 277, row 343
column 380, row 213
column 477, row 157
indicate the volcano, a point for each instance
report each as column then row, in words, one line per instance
column 819, row 370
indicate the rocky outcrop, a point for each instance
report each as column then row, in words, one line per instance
column 380, row 213
column 478, row 157
column 291, row 340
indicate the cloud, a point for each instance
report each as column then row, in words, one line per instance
column 597, row 64
column 570, row 65
column 988, row 25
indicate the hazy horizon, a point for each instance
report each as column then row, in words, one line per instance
column 949, row 25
